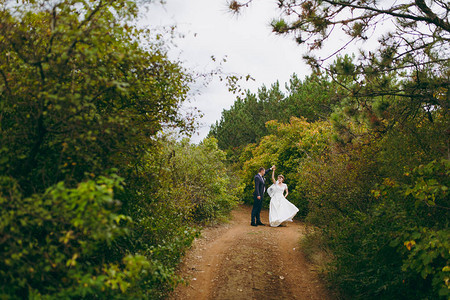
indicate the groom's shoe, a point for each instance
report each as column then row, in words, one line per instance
column 253, row 224
column 260, row 224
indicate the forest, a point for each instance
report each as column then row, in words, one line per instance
column 98, row 199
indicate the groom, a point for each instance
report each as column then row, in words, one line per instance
column 258, row 196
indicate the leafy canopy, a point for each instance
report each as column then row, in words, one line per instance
column 81, row 89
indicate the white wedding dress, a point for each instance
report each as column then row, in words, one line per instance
column 280, row 209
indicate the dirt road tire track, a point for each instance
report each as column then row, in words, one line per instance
column 239, row 261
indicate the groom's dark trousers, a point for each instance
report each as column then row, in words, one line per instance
column 257, row 203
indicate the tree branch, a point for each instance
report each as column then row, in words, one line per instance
column 84, row 22
column 432, row 16
column 6, row 81
column 392, row 12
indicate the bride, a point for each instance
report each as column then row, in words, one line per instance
column 280, row 209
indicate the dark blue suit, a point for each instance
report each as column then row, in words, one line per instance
column 257, row 203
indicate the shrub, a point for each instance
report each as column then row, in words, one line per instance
column 59, row 244
column 399, row 248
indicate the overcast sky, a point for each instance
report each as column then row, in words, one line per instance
column 246, row 41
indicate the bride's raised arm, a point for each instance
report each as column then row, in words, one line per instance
column 273, row 175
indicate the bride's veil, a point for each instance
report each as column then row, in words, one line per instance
column 271, row 190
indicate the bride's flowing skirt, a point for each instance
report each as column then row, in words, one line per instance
column 280, row 210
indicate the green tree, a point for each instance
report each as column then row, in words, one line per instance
column 196, row 177
column 238, row 125
column 84, row 94
column 313, row 98
column 378, row 194
column 82, row 89
column 421, row 32
column 407, row 76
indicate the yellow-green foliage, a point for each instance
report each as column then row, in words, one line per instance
column 287, row 146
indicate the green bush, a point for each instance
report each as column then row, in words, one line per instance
column 60, row 244
column 199, row 181
column 338, row 185
column 399, row 249
column 110, row 237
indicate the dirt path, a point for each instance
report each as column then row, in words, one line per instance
column 239, row 261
